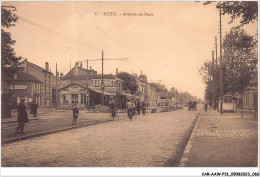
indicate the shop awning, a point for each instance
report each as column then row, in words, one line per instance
column 126, row 94
column 105, row 93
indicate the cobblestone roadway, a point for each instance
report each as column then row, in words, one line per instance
column 146, row 141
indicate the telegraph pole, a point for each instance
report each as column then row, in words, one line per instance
column 56, row 86
column 213, row 80
column 220, row 61
column 102, row 81
column 102, row 86
column 216, row 46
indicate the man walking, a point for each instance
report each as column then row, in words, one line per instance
column 75, row 112
column 22, row 117
column 34, row 108
column 143, row 107
column 138, row 107
column 206, row 107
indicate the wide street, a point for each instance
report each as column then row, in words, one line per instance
column 153, row 140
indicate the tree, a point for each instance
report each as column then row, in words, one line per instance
column 174, row 90
column 240, row 60
column 239, row 65
column 8, row 57
column 130, row 81
column 159, row 87
column 246, row 10
column 9, row 62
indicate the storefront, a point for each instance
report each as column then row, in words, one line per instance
column 73, row 94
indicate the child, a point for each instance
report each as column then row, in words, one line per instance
column 75, row 111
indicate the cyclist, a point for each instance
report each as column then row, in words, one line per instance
column 129, row 107
column 113, row 108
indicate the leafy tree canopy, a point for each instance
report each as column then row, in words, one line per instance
column 246, row 10
column 8, row 57
column 239, row 65
column 130, row 81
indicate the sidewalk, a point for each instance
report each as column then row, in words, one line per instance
column 222, row 141
column 48, row 121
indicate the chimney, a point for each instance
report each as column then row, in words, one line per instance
column 25, row 66
column 76, row 68
column 141, row 72
column 46, row 66
column 116, row 71
column 80, row 64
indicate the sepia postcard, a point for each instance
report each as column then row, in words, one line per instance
column 169, row 84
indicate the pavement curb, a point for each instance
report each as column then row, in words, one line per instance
column 15, row 121
column 48, row 132
column 188, row 147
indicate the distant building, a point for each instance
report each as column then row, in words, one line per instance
column 165, row 98
column 73, row 94
column 250, row 95
column 90, row 80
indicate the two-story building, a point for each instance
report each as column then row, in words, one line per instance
column 47, row 95
column 145, row 92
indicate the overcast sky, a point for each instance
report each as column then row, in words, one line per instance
column 170, row 45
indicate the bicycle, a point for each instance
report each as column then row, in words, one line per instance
column 114, row 114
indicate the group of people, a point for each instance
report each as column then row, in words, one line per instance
column 131, row 107
column 22, row 118
column 135, row 108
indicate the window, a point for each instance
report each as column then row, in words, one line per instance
column 92, row 83
column 112, row 84
column 74, row 98
column 95, row 82
column 83, row 99
column 65, row 98
column 119, row 86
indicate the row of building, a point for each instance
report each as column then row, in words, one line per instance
column 79, row 86
column 83, row 87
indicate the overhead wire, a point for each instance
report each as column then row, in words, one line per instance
column 31, row 32
column 51, row 31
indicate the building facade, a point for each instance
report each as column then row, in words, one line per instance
column 20, row 86
column 73, row 94
column 90, row 80
column 47, row 95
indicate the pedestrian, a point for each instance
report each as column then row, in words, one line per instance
column 143, row 107
column 75, row 112
column 206, row 107
column 138, row 107
column 22, row 117
column 34, row 108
